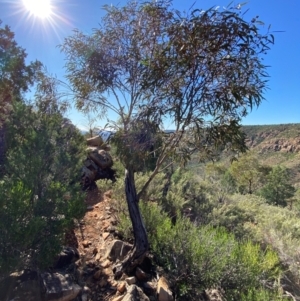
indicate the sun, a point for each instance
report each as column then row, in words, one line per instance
column 38, row 8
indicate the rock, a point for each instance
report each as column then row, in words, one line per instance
column 105, row 224
column 105, row 264
column 97, row 257
column 89, row 172
column 105, row 235
column 94, row 141
column 90, row 208
column 78, row 263
column 59, row 287
column 134, row 293
column 150, row 287
column 86, row 243
column 67, row 256
column 97, row 275
column 121, row 287
column 130, row 280
column 113, row 285
column 101, row 157
column 140, row 274
column 118, row 250
column 119, row 298
column 163, row 291
column 107, row 271
column 23, row 285
column 111, row 229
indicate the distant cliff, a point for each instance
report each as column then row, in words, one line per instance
column 273, row 138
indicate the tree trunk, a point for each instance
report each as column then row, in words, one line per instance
column 141, row 245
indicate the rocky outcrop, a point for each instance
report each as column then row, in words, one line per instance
column 286, row 145
column 273, row 138
column 98, row 163
column 100, row 157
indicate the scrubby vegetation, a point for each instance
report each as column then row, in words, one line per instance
column 231, row 224
column 40, row 193
column 238, row 243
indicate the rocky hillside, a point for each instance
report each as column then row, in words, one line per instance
column 277, row 145
column 274, row 138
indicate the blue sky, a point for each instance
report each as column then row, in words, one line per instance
column 41, row 37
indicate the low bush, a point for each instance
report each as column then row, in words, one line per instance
column 259, row 294
column 197, row 258
column 250, row 217
column 186, row 194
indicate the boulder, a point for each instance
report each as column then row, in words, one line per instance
column 150, row 287
column 121, row 287
column 130, row 280
column 134, row 293
column 118, row 250
column 100, row 157
column 163, row 291
column 59, row 287
column 92, row 171
column 67, row 256
column 141, row 275
column 94, row 141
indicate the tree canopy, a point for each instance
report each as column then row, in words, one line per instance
column 15, row 75
column 278, row 188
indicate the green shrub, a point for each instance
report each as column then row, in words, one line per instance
column 187, row 194
column 259, row 294
column 278, row 188
column 154, row 191
column 250, row 217
column 40, row 193
column 197, row 258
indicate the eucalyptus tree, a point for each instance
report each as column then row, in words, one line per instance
column 149, row 64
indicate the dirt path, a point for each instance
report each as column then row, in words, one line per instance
column 92, row 239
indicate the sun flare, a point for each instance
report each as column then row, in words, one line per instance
column 38, row 8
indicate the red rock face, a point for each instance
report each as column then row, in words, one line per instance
column 287, row 145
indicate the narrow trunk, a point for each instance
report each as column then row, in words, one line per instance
column 141, row 245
